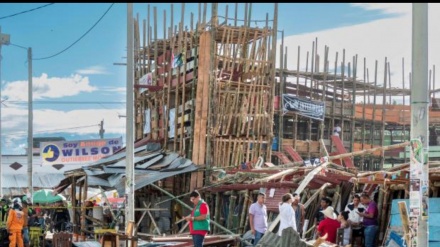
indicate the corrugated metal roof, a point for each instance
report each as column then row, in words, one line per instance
column 45, row 181
column 109, row 173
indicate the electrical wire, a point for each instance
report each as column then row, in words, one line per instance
column 26, row 11
column 90, row 29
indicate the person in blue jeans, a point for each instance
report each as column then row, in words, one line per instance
column 258, row 217
column 369, row 220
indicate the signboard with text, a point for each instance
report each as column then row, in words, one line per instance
column 83, row 151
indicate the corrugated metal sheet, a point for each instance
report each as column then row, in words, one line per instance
column 45, row 181
column 97, row 181
column 142, row 180
column 109, row 173
column 93, row 172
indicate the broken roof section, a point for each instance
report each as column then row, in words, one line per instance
column 151, row 164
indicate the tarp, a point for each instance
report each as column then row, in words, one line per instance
column 304, row 107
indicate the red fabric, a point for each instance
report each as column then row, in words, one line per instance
column 203, row 210
column 330, row 227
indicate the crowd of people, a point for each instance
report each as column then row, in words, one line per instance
column 18, row 214
column 358, row 223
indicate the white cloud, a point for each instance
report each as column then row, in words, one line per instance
column 387, row 8
column 48, row 87
column 390, row 38
column 93, row 70
column 48, row 122
column 121, row 90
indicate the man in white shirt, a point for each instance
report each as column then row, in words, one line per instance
column 258, row 217
column 355, row 220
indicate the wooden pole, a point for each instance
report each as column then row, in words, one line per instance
column 363, row 111
column 384, row 101
column 373, row 127
column 353, row 98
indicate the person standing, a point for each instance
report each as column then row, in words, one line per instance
column 300, row 213
column 199, row 221
column 329, row 225
column 25, row 231
column 319, row 216
column 39, row 214
column 14, row 225
column 3, row 210
column 287, row 215
column 258, row 217
column 336, row 130
column 61, row 217
column 355, row 220
column 369, row 220
column 345, row 224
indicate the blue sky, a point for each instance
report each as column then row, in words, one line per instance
column 78, row 88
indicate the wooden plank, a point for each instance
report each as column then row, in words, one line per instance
column 405, row 221
column 283, row 158
column 341, row 150
column 291, row 151
column 201, row 107
column 205, row 105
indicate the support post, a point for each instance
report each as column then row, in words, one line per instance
column 30, row 125
column 420, row 112
column 129, row 169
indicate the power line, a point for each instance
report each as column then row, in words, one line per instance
column 26, row 11
column 79, row 37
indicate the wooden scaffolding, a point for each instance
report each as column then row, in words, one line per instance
column 206, row 91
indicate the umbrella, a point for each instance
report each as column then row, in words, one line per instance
column 46, row 196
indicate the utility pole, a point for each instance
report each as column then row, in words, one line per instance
column 30, row 151
column 4, row 40
column 101, row 130
column 419, row 124
column 129, row 165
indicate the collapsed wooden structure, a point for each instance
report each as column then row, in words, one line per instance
column 211, row 93
column 366, row 108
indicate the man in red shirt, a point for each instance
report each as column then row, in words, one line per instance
column 199, row 223
column 329, row 225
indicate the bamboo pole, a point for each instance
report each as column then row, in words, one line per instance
column 363, row 113
column 353, row 120
column 83, row 207
column 244, row 212
column 373, row 127
column 295, row 121
column 217, row 210
column 324, row 90
column 232, row 200
column 342, row 96
column 334, row 98
column 383, row 111
column 403, row 86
